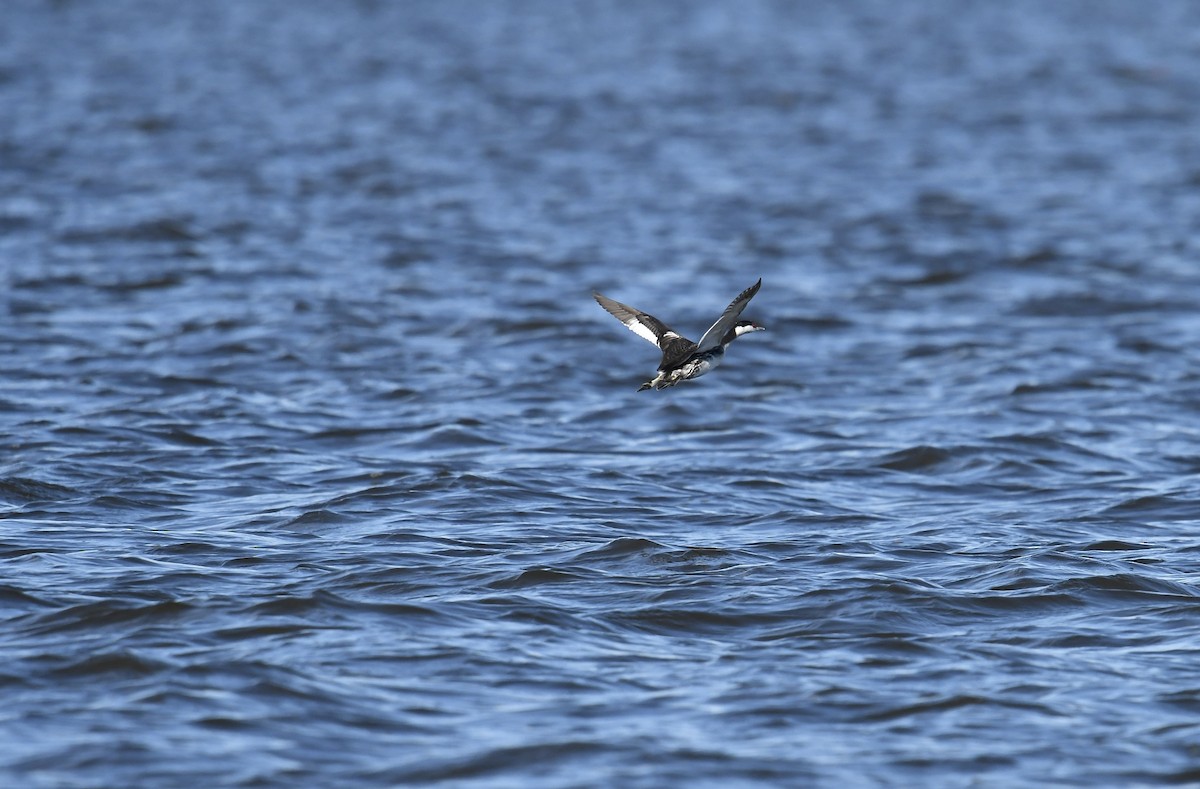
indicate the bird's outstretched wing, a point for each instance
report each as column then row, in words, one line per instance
column 712, row 337
column 648, row 327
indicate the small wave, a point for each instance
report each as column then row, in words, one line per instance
column 1114, row 546
column 916, row 458
column 925, row 707
column 495, row 761
column 621, row 547
column 323, row 600
column 160, row 230
column 183, row 437
column 692, row 621
column 317, row 517
column 25, row 490
column 452, row 437
column 1156, row 507
column 107, row 664
column 13, row 597
column 538, row 576
column 1127, row 584
column 107, row 613
column 954, row 702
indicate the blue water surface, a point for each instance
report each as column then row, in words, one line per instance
column 321, row 467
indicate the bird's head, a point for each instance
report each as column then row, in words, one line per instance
column 740, row 328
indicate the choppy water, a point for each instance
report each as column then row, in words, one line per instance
column 321, row 467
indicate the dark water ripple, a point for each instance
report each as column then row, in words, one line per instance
column 320, row 467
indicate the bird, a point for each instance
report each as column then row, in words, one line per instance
column 683, row 359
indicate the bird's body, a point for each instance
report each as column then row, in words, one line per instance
column 683, row 359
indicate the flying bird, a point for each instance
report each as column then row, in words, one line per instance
column 683, row 359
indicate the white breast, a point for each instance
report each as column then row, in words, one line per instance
column 703, row 365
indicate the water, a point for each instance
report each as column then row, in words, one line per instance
column 321, row 467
